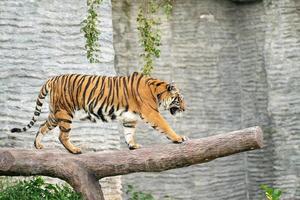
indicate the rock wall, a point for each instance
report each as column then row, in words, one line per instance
column 282, row 50
column 40, row 39
column 237, row 66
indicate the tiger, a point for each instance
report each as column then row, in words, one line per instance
column 128, row 99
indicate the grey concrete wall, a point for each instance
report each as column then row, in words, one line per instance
column 282, row 50
column 236, row 63
column 238, row 66
column 40, row 39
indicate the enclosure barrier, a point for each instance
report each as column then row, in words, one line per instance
column 83, row 171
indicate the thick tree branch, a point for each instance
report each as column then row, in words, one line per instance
column 83, row 171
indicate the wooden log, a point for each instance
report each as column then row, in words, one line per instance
column 83, row 171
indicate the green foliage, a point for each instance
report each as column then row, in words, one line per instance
column 36, row 189
column 91, row 31
column 149, row 33
column 167, row 6
column 271, row 193
column 137, row 195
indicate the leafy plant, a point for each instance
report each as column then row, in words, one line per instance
column 137, row 195
column 149, row 33
column 36, row 189
column 271, row 193
column 91, row 31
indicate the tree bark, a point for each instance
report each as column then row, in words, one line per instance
column 83, row 171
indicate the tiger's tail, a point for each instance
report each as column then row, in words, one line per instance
column 39, row 103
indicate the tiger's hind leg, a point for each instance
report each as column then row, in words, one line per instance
column 47, row 126
column 129, row 133
column 64, row 122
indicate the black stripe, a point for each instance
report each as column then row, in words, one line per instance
column 131, row 85
column 155, row 127
column 38, row 102
column 125, row 92
column 86, row 88
column 93, row 90
column 31, row 123
column 126, row 108
column 158, row 84
column 91, row 108
column 41, row 97
column 149, row 79
column 81, row 80
column 44, row 90
column 99, row 112
column 63, row 129
column 159, row 95
column 53, row 79
column 63, row 87
column 117, row 87
column 78, row 89
column 137, row 87
column 67, row 92
column 109, row 92
column 113, row 117
column 64, row 120
column 52, row 120
column 113, row 89
column 128, row 126
column 72, row 90
column 42, row 93
column 111, row 111
column 101, row 91
column 36, row 113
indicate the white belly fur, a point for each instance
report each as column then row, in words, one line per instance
column 121, row 116
column 129, row 116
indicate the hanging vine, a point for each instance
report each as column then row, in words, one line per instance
column 149, row 33
column 91, row 31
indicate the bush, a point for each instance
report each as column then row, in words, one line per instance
column 137, row 195
column 36, row 189
column 271, row 193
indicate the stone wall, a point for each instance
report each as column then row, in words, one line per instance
column 282, row 50
column 40, row 39
column 237, row 66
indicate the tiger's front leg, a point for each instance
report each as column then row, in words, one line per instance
column 129, row 133
column 158, row 122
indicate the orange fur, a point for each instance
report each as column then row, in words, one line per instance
column 127, row 98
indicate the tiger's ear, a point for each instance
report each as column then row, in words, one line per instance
column 171, row 87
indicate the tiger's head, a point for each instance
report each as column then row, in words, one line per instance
column 171, row 99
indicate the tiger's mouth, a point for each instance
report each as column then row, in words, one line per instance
column 174, row 110
column 173, row 105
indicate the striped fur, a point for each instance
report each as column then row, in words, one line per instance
column 125, row 98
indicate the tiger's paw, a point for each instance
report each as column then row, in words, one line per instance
column 38, row 145
column 134, row 146
column 75, row 150
column 180, row 139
